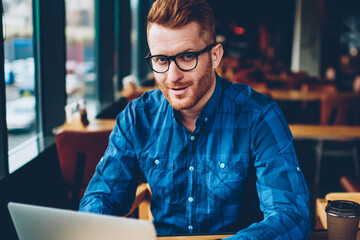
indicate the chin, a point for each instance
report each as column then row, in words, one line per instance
column 179, row 102
column 182, row 105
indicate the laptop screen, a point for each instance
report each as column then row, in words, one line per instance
column 44, row 223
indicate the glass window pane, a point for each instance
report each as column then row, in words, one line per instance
column 80, row 62
column 19, row 72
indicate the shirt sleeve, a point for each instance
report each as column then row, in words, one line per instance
column 281, row 187
column 113, row 186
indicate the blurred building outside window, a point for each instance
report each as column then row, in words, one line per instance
column 80, row 57
column 19, row 77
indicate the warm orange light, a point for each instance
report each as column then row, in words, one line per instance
column 239, row 30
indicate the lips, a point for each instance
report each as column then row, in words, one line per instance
column 178, row 90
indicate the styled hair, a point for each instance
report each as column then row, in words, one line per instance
column 178, row 13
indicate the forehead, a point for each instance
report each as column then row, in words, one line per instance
column 169, row 41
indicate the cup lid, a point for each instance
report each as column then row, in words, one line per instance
column 343, row 208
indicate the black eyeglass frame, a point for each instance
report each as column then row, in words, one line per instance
column 173, row 57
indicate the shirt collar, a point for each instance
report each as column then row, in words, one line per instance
column 211, row 105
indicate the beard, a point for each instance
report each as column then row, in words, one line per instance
column 196, row 89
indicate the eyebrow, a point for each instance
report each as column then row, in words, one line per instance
column 186, row 50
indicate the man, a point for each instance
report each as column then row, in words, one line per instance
column 218, row 156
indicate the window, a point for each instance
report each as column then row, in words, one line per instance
column 34, row 85
column 19, row 71
column 80, row 57
column 45, row 71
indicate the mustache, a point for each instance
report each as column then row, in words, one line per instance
column 178, row 85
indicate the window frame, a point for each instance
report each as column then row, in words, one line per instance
column 50, row 56
column 3, row 130
column 104, row 51
column 122, row 41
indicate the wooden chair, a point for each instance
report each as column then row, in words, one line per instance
column 79, row 152
column 318, row 87
column 338, row 109
column 350, row 183
column 142, row 202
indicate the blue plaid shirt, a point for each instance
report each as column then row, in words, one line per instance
column 237, row 172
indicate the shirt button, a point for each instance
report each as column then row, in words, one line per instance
column 222, row 165
column 157, row 161
column 190, row 227
column 206, row 119
column 191, row 168
column 298, row 169
column 190, row 199
column 192, row 138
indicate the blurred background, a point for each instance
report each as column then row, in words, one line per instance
column 60, row 53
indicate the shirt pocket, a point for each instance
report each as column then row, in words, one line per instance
column 158, row 171
column 225, row 179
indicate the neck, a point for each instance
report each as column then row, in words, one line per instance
column 188, row 119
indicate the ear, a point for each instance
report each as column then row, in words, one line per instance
column 216, row 55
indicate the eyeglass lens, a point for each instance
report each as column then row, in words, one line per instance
column 185, row 61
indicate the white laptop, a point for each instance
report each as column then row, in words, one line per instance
column 44, row 223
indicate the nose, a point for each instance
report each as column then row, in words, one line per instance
column 174, row 74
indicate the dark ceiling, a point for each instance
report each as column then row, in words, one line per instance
column 251, row 12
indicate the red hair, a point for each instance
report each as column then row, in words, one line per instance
column 178, row 13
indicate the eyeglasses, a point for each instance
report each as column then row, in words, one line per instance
column 185, row 61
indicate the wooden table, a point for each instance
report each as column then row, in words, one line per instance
column 298, row 106
column 94, row 125
column 322, row 132
column 299, row 131
column 320, row 220
column 296, row 95
column 315, row 235
column 195, row 237
column 325, row 132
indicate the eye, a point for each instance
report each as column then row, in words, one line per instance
column 159, row 60
column 186, row 57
